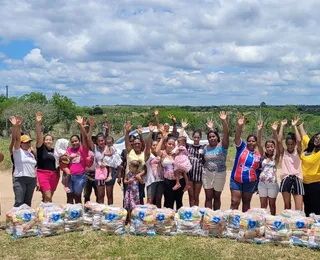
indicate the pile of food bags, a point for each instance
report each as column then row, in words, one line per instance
column 252, row 226
column 9, row 219
column 87, row 212
column 300, row 227
column 24, row 221
column 214, row 223
column 314, row 236
column 189, row 221
column 113, row 220
column 278, row 230
column 233, row 218
column 165, row 222
column 73, row 217
column 143, row 219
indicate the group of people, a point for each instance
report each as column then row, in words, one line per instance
column 165, row 165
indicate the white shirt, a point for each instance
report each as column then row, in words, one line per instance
column 24, row 163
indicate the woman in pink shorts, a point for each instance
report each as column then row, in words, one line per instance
column 47, row 174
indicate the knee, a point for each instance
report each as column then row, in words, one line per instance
column 235, row 203
column 217, row 197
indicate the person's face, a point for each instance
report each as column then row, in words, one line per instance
column 170, row 145
column 48, row 141
column 159, row 135
column 213, row 139
column 109, row 142
column 166, row 127
column 251, row 143
column 133, row 169
column 181, row 142
column 131, row 140
column 290, row 145
column 317, row 141
column 75, row 142
column 26, row 146
column 196, row 139
column 137, row 145
column 154, row 146
column 101, row 142
column 270, row 149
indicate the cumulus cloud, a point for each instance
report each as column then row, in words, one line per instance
column 200, row 52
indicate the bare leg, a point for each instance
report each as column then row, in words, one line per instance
column 101, row 194
column 197, row 190
column 191, row 194
column 264, row 202
column 235, row 199
column 109, row 190
column 287, row 200
column 298, row 201
column 272, row 205
column 216, row 200
column 246, row 201
column 47, row 196
column 209, row 198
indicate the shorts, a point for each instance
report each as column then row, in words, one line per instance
column 292, row 184
column 48, row 180
column 155, row 189
column 213, row 180
column 268, row 189
column 250, row 187
column 76, row 182
column 109, row 183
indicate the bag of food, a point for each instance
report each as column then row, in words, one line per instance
column 233, row 218
column 165, row 221
column 24, row 222
column 214, row 223
column 259, row 211
column 316, row 218
column 300, row 227
column 289, row 213
column 189, row 221
column 87, row 212
column 9, row 219
column 51, row 219
column 96, row 211
column 143, row 219
column 251, row 228
column 314, row 236
column 113, row 220
column 278, row 230
column 73, row 217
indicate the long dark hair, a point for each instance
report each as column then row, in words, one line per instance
column 215, row 133
column 311, row 146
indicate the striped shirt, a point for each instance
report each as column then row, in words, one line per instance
column 196, row 159
column 215, row 158
column 246, row 167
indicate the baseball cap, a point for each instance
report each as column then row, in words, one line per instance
column 25, row 139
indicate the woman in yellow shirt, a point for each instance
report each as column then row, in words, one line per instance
column 310, row 162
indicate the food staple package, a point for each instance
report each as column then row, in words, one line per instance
column 300, row 227
column 189, row 221
column 113, row 220
column 24, row 222
column 214, row 223
column 143, row 219
column 73, row 218
column 252, row 227
column 314, row 236
column 316, row 218
column 87, row 212
column 278, row 230
column 233, row 218
column 289, row 213
column 165, row 222
column 9, row 219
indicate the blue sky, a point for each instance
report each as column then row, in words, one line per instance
column 161, row 52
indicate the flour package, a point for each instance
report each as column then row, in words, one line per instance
column 113, row 220
column 300, row 227
column 314, row 236
column 87, row 212
column 233, row 218
column 214, row 223
column 165, row 222
column 51, row 219
column 143, row 219
column 278, row 230
column 252, row 227
column 73, row 218
column 24, row 222
column 9, row 219
column 189, row 221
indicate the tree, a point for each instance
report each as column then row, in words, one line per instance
column 97, row 111
column 34, row 97
column 263, row 104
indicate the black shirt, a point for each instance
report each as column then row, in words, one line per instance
column 46, row 160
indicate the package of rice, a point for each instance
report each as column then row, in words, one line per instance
column 96, row 211
column 278, row 230
column 113, row 220
column 51, row 219
column 24, row 222
column 213, row 223
column 165, row 221
column 73, row 218
column 289, row 213
column 143, row 219
column 300, row 227
column 87, row 212
column 189, row 221
column 232, row 218
column 252, row 227
column 9, row 219
column 314, row 236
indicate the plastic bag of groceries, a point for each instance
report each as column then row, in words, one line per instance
column 24, row 222
column 87, row 212
column 189, row 221
column 113, row 220
column 97, row 210
column 214, row 223
column 73, row 218
column 278, row 230
column 9, row 219
column 259, row 211
column 165, row 221
column 289, row 213
column 316, row 218
column 232, row 218
column 252, row 227
column 300, row 227
column 51, row 219
column 143, row 219
column 314, row 236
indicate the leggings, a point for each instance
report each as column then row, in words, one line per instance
column 173, row 196
column 23, row 188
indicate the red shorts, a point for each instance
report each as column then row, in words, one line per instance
column 48, row 180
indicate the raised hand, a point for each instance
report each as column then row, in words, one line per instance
column 19, row 120
column 84, row 123
column 92, row 121
column 164, row 135
column 13, row 120
column 38, row 117
column 184, row 123
column 79, row 120
column 274, row 125
column 128, row 126
column 151, row 127
column 170, row 116
column 156, row 112
column 295, row 121
column 161, row 128
column 284, row 122
column 139, row 130
column 240, row 120
column 106, row 125
column 223, row 115
column 209, row 123
column 259, row 125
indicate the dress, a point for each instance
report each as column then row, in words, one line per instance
column 181, row 161
column 132, row 198
column 114, row 160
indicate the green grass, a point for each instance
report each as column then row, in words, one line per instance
column 98, row 245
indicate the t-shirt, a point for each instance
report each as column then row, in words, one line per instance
column 78, row 164
column 269, row 171
column 291, row 164
column 46, row 160
column 133, row 156
column 196, row 159
column 167, row 162
column 215, row 158
column 246, row 167
column 25, row 163
column 310, row 164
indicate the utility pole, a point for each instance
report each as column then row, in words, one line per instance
column 7, row 96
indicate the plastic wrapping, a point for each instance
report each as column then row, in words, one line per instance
column 73, row 217
column 278, row 230
column 316, row 218
column 51, row 219
column 289, row 213
column 314, row 236
column 143, row 219
column 252, row 227
column 214, row 223
column 165, row 221
column 87, row 212
column 97, row 211
column 233, row 218
column 300, row 227
column 9, row 219
column 113, row 220
column 259, row 211
column 189, row 221
column 24, row 222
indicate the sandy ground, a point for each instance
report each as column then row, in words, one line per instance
column 7, row 196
